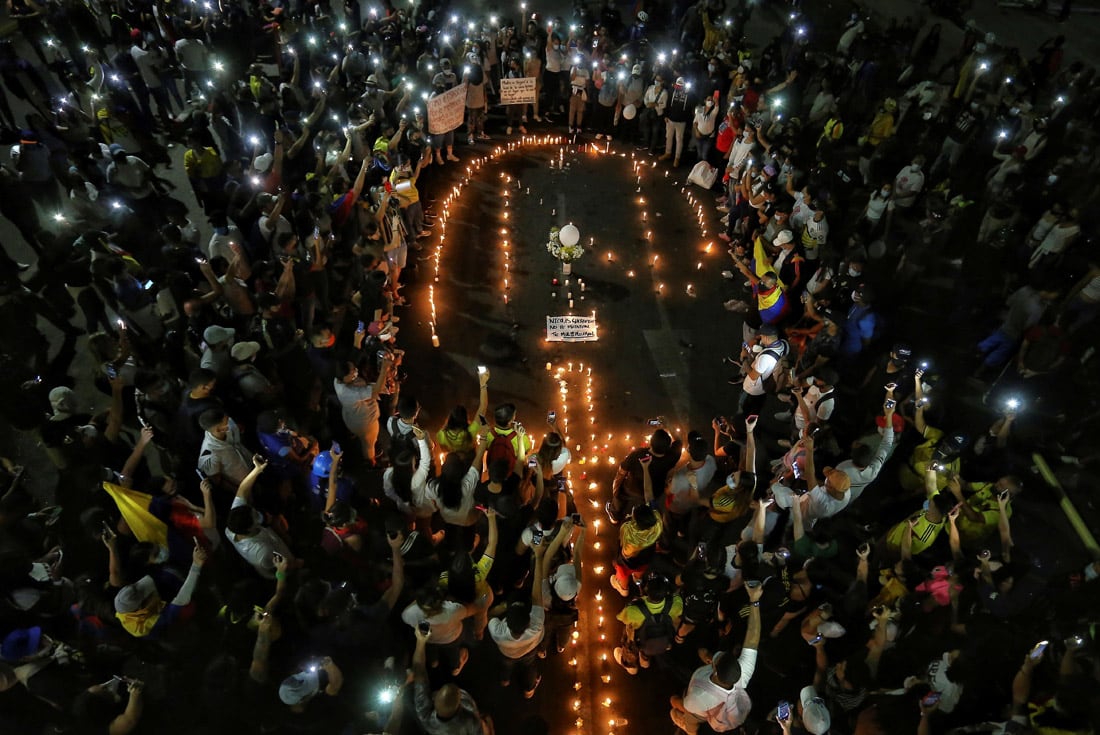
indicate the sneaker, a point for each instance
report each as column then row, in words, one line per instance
column 619, row 586
column 643, row 661
column 522, row 130
column 725, row 237
column 599, row 136
column 734, row 305
column 452, row 157
column 531, row 692
column 615, row 520
column 538, row 119
column 608, row 138
column 725, row 220
column 462, row 659
column 723, row 209
column 508, row 130
column 470, row 140
column 618, row 654
column 783, row 416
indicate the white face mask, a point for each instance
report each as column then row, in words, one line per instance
column 885, row 193
column 855, row 273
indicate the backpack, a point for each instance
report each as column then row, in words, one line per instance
column 400, row 441
column 657, row 632
column 502, row 448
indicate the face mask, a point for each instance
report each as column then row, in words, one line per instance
column 856, row 273
column 709, row 104
column 557, row 46
column 711, row 68
column 161, row 555
column 885, row 193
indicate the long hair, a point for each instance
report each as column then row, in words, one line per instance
column 461, row 583
column 449, row 483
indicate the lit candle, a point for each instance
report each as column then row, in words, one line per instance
column 435, row 340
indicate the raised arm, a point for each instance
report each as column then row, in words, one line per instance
column 1004, row 527
column 244, row 490
column 333, row 478
column 134, row 459
column 953, row 535
column 397, row 580
column 799, row 529
column 919, row 402
column 483, row 395
column 760, row 520
column 114, row 416
column 752, row 633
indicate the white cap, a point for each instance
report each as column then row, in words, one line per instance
column 815, row 715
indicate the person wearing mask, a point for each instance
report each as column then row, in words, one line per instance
column 631, row 95
column 678, row 112
column 703, row 127
column 579, row 78
column 651, row 117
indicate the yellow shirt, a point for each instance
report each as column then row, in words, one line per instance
column 984, row 501
column 634, row 618
column 911, row 474
column 634, row 540
column 458, row 440
column 925, row 533
column 202, row 164
column 481, row 573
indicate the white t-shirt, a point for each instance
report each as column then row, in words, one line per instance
column 723, row 709
column 822, row 409
column 950, row 692
column 146, row 62
column 528, row 641
column 679, row 484
column 258, row 550
column 764, row 364
column 219, row 244
column 818, row 504
column 907, row 185
column 876, row 206
column 464, row 515
column 446, row 625
column 192, row 54
column 226, row 457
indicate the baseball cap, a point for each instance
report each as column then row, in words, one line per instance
column 299, row 687
column 566, row 585
column 262, row 162
column 63, row 400
column 215, row 335
column 115, row 148
column 840, row 478
column 768, row 330
column 903, row 351
column 637, row 69
column 783, row 495
column 244, row 350
column 20, row 643
column 784, row 237
column 830, row 629
column 815, row 715
column 130, row 597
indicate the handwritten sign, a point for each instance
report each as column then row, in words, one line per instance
column 571, row 329
column 518, row 91
column 447, row 111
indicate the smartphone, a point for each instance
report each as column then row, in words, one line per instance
column 111, row 370
column 362, row 327
column 276, row 556
column 424, row 627
column 930, row 699
column 335, row 448
column 864, row 548
column 816, row 639
column 201, row 474
column 783, row 711
column 533, row 461
column 536, row 537
column 797, row 470
column 752, row 583
column 877, row 610
column 481, row 369
column 577, row 520
column 984, row 554
column 143, row 422
column 551, row 417
column 147, row 285
column 890, row 403
column 1037, row 650
column 1075, row 642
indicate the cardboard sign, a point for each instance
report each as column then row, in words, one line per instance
column 571, row 329
column 447, row 111
column 518, row 91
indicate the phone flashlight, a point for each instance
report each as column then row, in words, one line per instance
column 481, row 369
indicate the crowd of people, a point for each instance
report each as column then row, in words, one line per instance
column 261, row 534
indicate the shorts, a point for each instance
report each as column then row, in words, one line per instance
column 398, row 257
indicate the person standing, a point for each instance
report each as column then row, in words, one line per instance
column 677, row 113
column 703, row 126
column 753, row 390
column 579, row 77
column 717, row 692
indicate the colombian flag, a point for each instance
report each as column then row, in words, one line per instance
column 135, row 509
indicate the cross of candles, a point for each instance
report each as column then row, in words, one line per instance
column 589, row 660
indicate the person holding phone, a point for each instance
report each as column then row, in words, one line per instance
column 459, row 434
column 258, row 544
column 866, row 463
column 985, row 507
column 637, row 537
column 717, row 692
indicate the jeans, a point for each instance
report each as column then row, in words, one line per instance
column 703, row 146
column 524, row 666
column 997, row 348
column 674, row 134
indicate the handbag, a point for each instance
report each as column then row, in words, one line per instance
column 703, row 174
